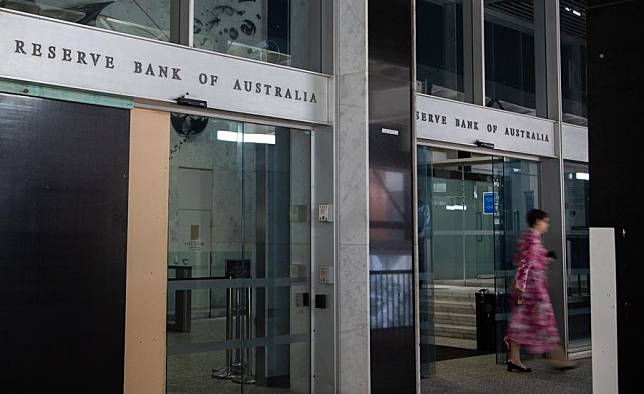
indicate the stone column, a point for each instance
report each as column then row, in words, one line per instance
column 351, row 133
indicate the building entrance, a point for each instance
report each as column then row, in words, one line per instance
column 471, row 210
column 238, row 258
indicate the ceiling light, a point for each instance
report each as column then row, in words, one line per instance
column 584, row 176
column 233, row 136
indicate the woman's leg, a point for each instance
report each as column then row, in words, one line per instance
column 558, row 358
column 515, row 354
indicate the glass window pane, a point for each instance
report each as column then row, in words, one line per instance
column 439, row 48
column 573, row 61
column 144, row 18
column 510, row 56
column 576, row 187
column 274, row 31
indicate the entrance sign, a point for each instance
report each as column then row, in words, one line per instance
column 490, row 203
column 41, row 50
column 451, row 121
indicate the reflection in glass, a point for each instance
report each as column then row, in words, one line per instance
column 573, row 61
column 576, row 188
column 273, row 31
column 471, row 210
column 238, row 257
column 143, row 18
column 510, row 56
column 439, row 48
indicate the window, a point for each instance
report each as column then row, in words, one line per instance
column 510, row 56
column 274, row 31
column 572, row 16
column 576, row 183
column 144, row 18
column 439, row 48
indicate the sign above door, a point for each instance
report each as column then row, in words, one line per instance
column 450, row 121
column 42, row 50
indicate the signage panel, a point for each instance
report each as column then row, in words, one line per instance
column 490, row 203
column 575, row 142
column 59, row 53
column 450, row 121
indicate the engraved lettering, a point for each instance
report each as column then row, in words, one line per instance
column 36, row 49
column 95, row 58
column 20, row 47
column 67, row 55
column 81, row 57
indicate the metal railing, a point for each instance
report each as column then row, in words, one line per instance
column 392, row 295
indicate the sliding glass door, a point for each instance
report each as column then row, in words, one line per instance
column 239, row 257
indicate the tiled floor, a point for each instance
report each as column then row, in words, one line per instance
column 482, row 375
column 191, row 372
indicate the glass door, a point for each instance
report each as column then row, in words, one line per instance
column 516, row 184
column 238, row 258
column 456, row 255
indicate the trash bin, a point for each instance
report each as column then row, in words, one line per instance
column 485, row 320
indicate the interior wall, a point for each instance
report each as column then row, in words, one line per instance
column 145, row 320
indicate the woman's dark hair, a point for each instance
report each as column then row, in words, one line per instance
column 535, row 215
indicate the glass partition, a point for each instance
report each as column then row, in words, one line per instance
column 574, row 84
column 471, row 211
column 144, row 18
column 285, row 32
column 576, row 189
column 238, row 257
column 516, row 188
column 510, row 55
column 439, row 48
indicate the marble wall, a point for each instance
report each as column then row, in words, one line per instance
column 352, row 197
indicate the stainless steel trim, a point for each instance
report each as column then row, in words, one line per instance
column 468, row 148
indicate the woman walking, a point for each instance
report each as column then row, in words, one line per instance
column 533, row 324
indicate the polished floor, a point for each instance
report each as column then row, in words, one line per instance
column 482, row 375
column 191, row 373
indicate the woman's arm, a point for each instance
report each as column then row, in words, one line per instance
column 528, row 254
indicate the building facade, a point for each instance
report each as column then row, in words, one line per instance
column 282, row 196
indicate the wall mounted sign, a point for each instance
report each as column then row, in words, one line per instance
column 46, row 51
column 490, row 203
column 450, row 121
column 575, row 142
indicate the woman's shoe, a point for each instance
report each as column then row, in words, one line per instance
column 512, row 366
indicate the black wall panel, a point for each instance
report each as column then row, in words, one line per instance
column 391, row 197
column 63, row 224
column 616, row 80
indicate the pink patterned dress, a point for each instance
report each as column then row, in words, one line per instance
column 533, row 323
